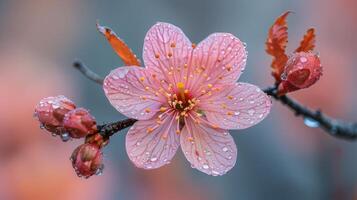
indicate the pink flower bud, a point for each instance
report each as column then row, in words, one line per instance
column 51, row 111
column 79, row 123
column 87, row 160
column 301, row 71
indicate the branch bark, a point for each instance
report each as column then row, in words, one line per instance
column 334, row 127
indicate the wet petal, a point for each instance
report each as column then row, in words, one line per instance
column 133, row 92
column 165, row 47
column 236, row 106
column 152, row 143
column 220, row 58
column 210, row 150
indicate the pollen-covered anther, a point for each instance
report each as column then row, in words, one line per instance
column 229, row 68
column 209, row 85
column 190, row 139
column 163, row 109
column 173, row 45
column 169, row 54
column 147, row 110
column 142, row 79
column 193, row 45
column 230, row 97
column 178, row 132
column 157, row 56
column 149, row 130
column 147, row 88
column 230, row 113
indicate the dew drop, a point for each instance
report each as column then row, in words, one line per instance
column 251, row 112
column 283, row 76
column 205, row 166
column 153, row 159
column 42, row 126
column 225, row 149
column 65, row 137
column 311, row 122
column 303, row 59
column 99, row 172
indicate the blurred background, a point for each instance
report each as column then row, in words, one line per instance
column 280, row 158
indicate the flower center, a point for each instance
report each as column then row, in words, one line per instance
column 182, row 99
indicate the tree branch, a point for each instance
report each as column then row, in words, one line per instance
column 333, row 127
column 87, row 72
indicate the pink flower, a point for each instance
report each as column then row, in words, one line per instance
column 186, row 95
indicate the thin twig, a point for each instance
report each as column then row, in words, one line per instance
column 333, row 127
column 87, row 72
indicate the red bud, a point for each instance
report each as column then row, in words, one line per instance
column 51, row 111
column 79, row 123
column 301, row 71
column 87, row 160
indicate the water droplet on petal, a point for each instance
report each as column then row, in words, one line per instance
column 205, row 166
column 153, row 159
column 225, row 149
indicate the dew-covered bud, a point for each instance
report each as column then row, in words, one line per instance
column 301, row 71
column 51, row 111
column 87, row 160
column 79, row 123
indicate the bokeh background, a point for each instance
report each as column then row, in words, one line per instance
column 280, row 158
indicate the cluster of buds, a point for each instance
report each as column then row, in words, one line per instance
column 302, row 70
column 61, row 117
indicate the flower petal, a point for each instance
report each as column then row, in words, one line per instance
column 132, row 91
column 165, row 46
column 152, row 143
column 221, row 56
column 236, row 106
column 210, row 150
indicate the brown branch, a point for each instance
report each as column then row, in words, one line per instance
column 333, row 127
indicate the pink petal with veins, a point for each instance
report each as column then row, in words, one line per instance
column 236, row 106
column 152, row 143
column 132, row 91
column 221, row 56
column 165, row 46
column 210, row 150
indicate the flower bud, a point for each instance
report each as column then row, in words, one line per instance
column 79, row 123
column 87, row 160
column 51, row 111
column 301, row 71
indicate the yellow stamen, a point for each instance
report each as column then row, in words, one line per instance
column 147, row 110
column 181, row 90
